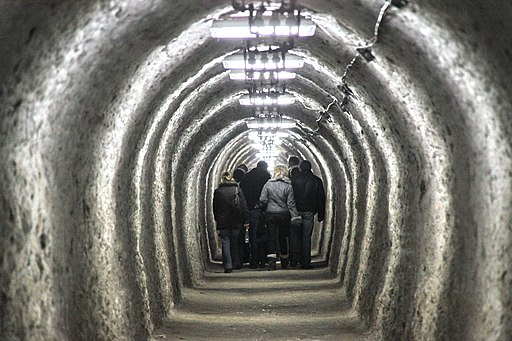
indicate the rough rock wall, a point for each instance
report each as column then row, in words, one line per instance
column 116, row 120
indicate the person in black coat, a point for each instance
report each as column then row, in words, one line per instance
column 238, row 174
column 230, row 212
column 293, row 166
column 251, row 184
column 309, row 193
column 244, row 247
column 243, row 167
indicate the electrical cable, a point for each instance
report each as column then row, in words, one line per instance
column 323, row 114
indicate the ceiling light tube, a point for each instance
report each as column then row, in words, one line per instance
column 263, row 147
column 262, row 99
column 260, row 137
column 264, row 154
column 239, row 28
column 241, row 75
column 270, row 123
column 254, row 62
column 265, row 143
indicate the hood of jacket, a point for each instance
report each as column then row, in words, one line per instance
column 228, row 183
column 281, row 178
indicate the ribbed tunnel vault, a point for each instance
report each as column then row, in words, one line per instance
column 117, row 119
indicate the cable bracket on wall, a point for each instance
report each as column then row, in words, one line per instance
column 365, row 51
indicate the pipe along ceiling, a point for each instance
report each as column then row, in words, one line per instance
column 117, row 119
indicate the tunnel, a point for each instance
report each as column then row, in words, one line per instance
column 117, row 120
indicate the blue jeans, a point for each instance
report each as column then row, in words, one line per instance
column 230, row 253
column 300, row 239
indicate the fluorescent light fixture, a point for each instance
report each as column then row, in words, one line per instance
column 268, row 133
column 239, row 28
column 269, row 9
column 266, row 100
column 265, row 145
column 265, row 142
column 257, row 135
column 264, row 47
column 262, row 61
column 270, row 123
column 245, row 14
column 240, row 75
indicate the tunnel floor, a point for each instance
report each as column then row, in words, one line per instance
column 263, row 305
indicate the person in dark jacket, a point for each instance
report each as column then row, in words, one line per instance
column 238, row 175
column 243, row 167
column 251, row 184
column 310, row 200
column 279, row 203
column 244, row 247
column 293, row 166
column 230, row 212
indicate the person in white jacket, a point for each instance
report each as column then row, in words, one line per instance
column 279, row 204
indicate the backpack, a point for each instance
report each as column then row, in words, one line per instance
column 234, row 205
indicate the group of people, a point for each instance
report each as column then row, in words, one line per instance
column 276, row 212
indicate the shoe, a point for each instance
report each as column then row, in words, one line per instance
column 228, row 271
column 271, row 264
column 284, row 264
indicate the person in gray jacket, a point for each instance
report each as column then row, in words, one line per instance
column 279, row 203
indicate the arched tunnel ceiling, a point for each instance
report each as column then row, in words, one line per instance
column 117, row 119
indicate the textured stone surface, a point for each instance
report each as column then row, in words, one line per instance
column 116, row 120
